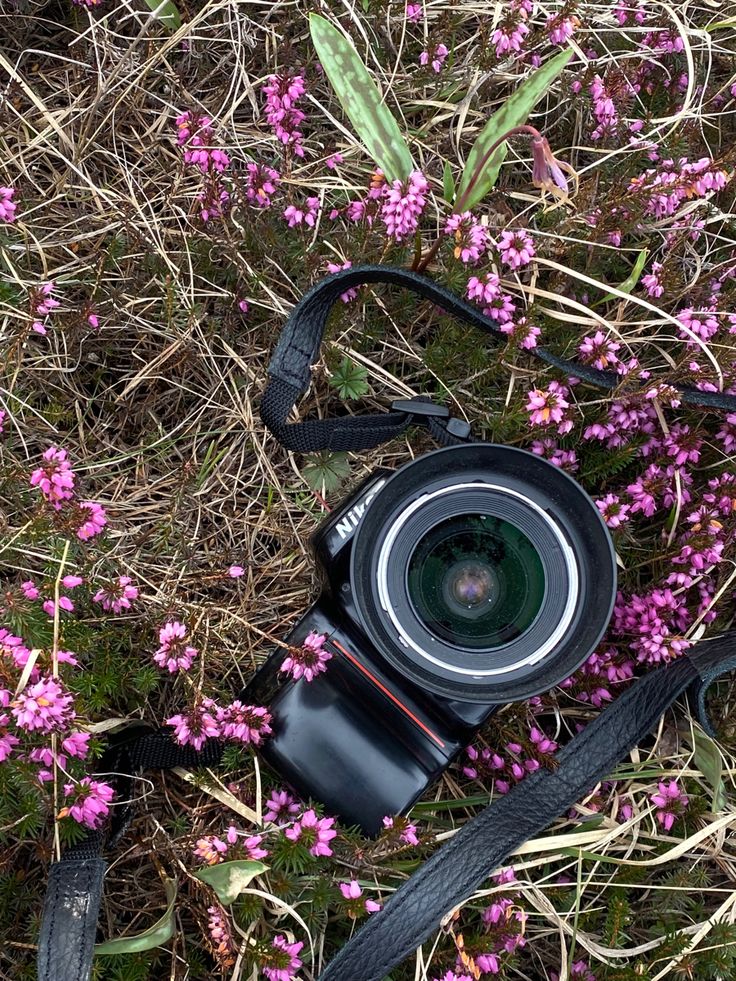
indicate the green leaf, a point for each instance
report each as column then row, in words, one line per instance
column 156, row 936
column 326, row 470
column 448, row 183
column 350, row 380
column 361, row 99
column 708, row 760
column 166, row 11
column 480, row 175
column 631, row 280
column 229, row 879
column 720, row 24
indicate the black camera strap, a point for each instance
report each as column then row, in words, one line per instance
column 450, row 876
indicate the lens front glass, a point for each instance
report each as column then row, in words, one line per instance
column 476, row 581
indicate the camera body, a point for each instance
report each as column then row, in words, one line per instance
column 470, row 577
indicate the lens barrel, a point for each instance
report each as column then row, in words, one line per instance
column 483, row 573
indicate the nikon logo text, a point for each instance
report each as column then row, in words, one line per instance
column 347, row 525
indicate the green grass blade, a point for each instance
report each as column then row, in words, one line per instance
column 156, row 936
column 631, row 280
column 361, row 99
column 448, row 183
column 479, row 177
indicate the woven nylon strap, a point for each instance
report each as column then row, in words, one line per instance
column 299, row 344
column 71, row 907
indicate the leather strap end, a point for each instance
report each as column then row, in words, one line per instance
column 711, row 660
column 69, row 922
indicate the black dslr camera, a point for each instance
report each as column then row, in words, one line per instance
column 472, row 576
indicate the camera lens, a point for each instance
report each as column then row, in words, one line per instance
column 483, row 573
column 476, row 580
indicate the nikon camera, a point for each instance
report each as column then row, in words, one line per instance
column 473, row 576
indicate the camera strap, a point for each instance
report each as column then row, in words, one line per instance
column 455, row 870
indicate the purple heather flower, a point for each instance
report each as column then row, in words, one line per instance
column 315, row 833
column 280, row 807
column 282, row 960
column 55, row 478
column 671, row 802
column 309, row 660
column 471, row 238
column 244, row 723
column 91, row 800
column 174, row 653
column 402, row 205
column 7, row 205
column 195, row 727
column 516, row 248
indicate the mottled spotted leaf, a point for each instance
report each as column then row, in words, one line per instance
column 361, row 99
column 480, row 175
column 166, row 12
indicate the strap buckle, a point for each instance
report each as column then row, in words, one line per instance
column 423, row 410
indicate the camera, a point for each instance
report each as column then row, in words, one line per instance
column 470, row 577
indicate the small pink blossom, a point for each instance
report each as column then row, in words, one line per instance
column 65, row 604
column 336, row 267
column 7, row 205
column 509, row 39
column 309, row 660
column 408, row 833
column 435, row 56
column 244, row 307
column 210, row 849
column 93, row 521
column 516, row 248
column 13, row 647
column 118, row 595
column 614, row 513
column 91, row 799
column 315, row 833
column 282, row 960
column 304, row 215
column 548, row 406
column 599, row 350
column 403, row 203
column 55, row 477
column 471, row 238
column 334, row 160
column 44, row 705
column 195, row 727
column 261, row 184
column 30, row 590
column 283, row 93
column 280, row 807
column 244, row 723
column 671, row 802
column 236, row 571
column 560, row 29
column 414, row 12
column 352, row 892
column 175, row 653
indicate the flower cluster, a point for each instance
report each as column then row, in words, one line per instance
column 435, row 56
column 246, row 724
column 218, row 928
column 519, row 760
column 309, row 660
column 549, row 407
column 486, row 291
column 516, row 248
column 280, row 963
column 56, row 481
column 7, row 205
column 670, row 803
column 303, row 215
column 196, row 136
column 174, row 653
column 356, row 903
column 283, row 93
column 470, row 237
column 403, row 829
column 313, row 832
column 42, row 304
column 261, row 184
column 402, row 205
column 118, row 595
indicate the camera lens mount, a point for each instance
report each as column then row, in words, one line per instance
column 483, row 573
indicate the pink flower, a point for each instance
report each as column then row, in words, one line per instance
column 334, row 160
column 3, row 416
column 403, row 203
column 522, row 332
column 314, row 833
column 91, row 800
column 414, row 12
column 195, row 727
column 282, row 960
column 651, row 281
column 507, row 39
column 309, row 660
column 77, row 744
column 49, row 606
column 671, row 802
column 174, row 652
column 44, row 705
column 261, row 184
column 471, row 238
column 244, row 723
column 451, row 976
column 560, row 29
column 336, row 267
column 118, row 595
column 548, row 406
column 196, row 134
column 210, row 849
column 220, row 935
column 408, row 833
column 281, row 806
column 243, row 306
column 547, row 171
column 236, row 571
column 352, row 892
column 12, row 646
column 434, row 55
column 485, row 290
column 93, row 320
column 7, row 205
column 7, row 740
column 55, row 478
column 516, row 248
column 599, row 350
column 93, row 522
column 304, row 215
column 613, row 511
column 30, row 590
column 283, row 92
